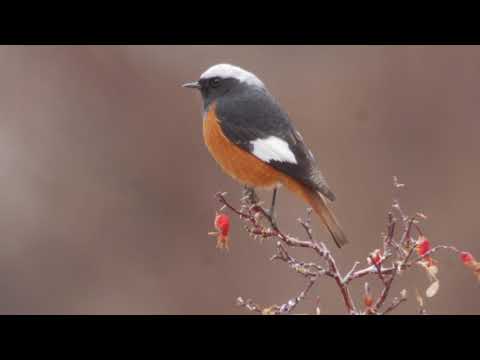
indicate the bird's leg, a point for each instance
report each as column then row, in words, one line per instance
column 272, row 208
column 271, row 212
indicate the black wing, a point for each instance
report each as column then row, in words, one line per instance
column 254, row 114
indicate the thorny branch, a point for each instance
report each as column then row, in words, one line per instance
column 398, row 250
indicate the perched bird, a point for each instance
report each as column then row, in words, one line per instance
column 254, row 141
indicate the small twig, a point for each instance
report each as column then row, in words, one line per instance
column 409, row 254
column 307, row 224
column 347, row 277
column 347, row 298
column 378, row 267
column 386, row 289
column 433, row 250
column 396, row 206
column 396, row 183
column 390, row 232
column 396, row 302
column 304, row 269
column 221, row 198
column 292, row 303
column 249, row 305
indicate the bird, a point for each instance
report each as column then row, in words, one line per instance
column 254, row 141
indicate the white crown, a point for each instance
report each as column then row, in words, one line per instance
column 230, row 71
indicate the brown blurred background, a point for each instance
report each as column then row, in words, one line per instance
column 106, row 188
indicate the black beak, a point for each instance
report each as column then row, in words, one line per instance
column 192, row 85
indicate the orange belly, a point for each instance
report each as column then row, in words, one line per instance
column 236, row 162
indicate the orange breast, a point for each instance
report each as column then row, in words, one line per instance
column 236, row 162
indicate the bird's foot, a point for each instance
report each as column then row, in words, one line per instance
column 250, row 195
column 271, row 217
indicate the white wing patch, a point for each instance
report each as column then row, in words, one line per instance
column 273, row 148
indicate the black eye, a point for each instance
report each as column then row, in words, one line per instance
column 214, row 82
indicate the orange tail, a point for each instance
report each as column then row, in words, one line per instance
column 320, row 206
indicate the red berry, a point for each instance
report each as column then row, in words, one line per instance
column 423, row 245
column 375, row 257
column 368, row 301
column 466, row 257
column 222, row 224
